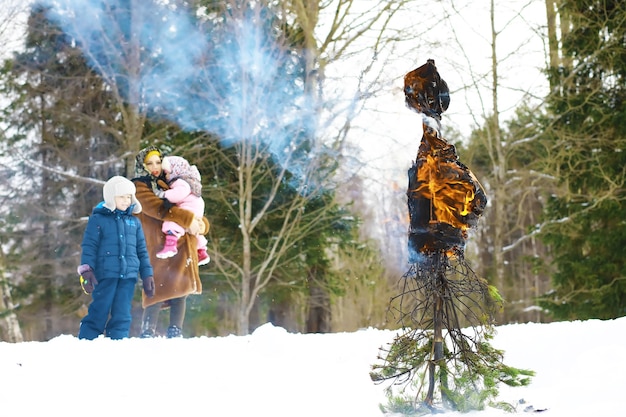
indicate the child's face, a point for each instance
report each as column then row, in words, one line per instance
column 153, row 165
column 122, row 202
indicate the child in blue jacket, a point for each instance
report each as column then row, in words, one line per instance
column 114, row 255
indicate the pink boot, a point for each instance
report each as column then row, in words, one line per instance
column 169, row 249
column 203, row 257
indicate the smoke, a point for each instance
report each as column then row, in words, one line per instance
column 226, row 75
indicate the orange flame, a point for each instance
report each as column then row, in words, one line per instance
column 451, row 196
column 444, row 197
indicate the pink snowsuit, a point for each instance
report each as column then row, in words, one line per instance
column 182, row 194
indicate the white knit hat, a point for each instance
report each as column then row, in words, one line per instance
column 117, row 186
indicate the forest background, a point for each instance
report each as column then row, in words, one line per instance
column 294, row 113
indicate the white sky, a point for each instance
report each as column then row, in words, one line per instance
column 13, row 14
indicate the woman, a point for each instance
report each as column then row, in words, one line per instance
column 176, row 277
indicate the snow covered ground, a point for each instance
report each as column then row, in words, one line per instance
column 580, row 369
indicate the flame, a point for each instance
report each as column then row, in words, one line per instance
column 451, row 196
column 444, row 197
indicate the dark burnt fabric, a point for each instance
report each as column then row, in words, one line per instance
column 425, row 91
column 444, row 197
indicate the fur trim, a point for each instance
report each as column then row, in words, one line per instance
column 117, row 186
column 83, row 268
column 165, row 165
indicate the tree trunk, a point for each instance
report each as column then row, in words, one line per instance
column 499, row 167
column 438, row 278
column 318, row 311
column 8, row 320
column 245, row 216
column 553, row 41
column 437, row 344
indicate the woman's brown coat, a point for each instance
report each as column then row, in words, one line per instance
column 176, row 276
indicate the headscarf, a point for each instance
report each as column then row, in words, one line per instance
column 142, row 173
column 140, row 160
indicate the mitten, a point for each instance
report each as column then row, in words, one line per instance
column 159, row 193
column 148, row 286
column 88, row 281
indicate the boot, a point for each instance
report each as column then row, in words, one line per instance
column 203, row 257
column 147, row 334
column 147, row 330
column 174, row 331
column 169, row 249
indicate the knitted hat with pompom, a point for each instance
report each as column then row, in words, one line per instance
column 117, row 186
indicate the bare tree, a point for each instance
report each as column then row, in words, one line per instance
column 355, row 50
column 345, row 25
column 12, row 25
column 130, row 47
column 9, row 323
column 498, row 149
column 279, row 165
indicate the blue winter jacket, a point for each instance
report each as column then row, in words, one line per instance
column 114, row 245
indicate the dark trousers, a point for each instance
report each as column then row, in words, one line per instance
column 150, row 315
column 110, row 310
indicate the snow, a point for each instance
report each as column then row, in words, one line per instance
column 579, row 368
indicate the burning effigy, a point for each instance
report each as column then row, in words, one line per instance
column 444, row 198
column 441, row 296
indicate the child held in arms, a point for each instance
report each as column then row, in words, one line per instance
column 185, row 190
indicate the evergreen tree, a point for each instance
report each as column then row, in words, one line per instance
column 585, row 138
column 56, row 116
column 525, row 273
column 274, row 176
column 86, row 95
